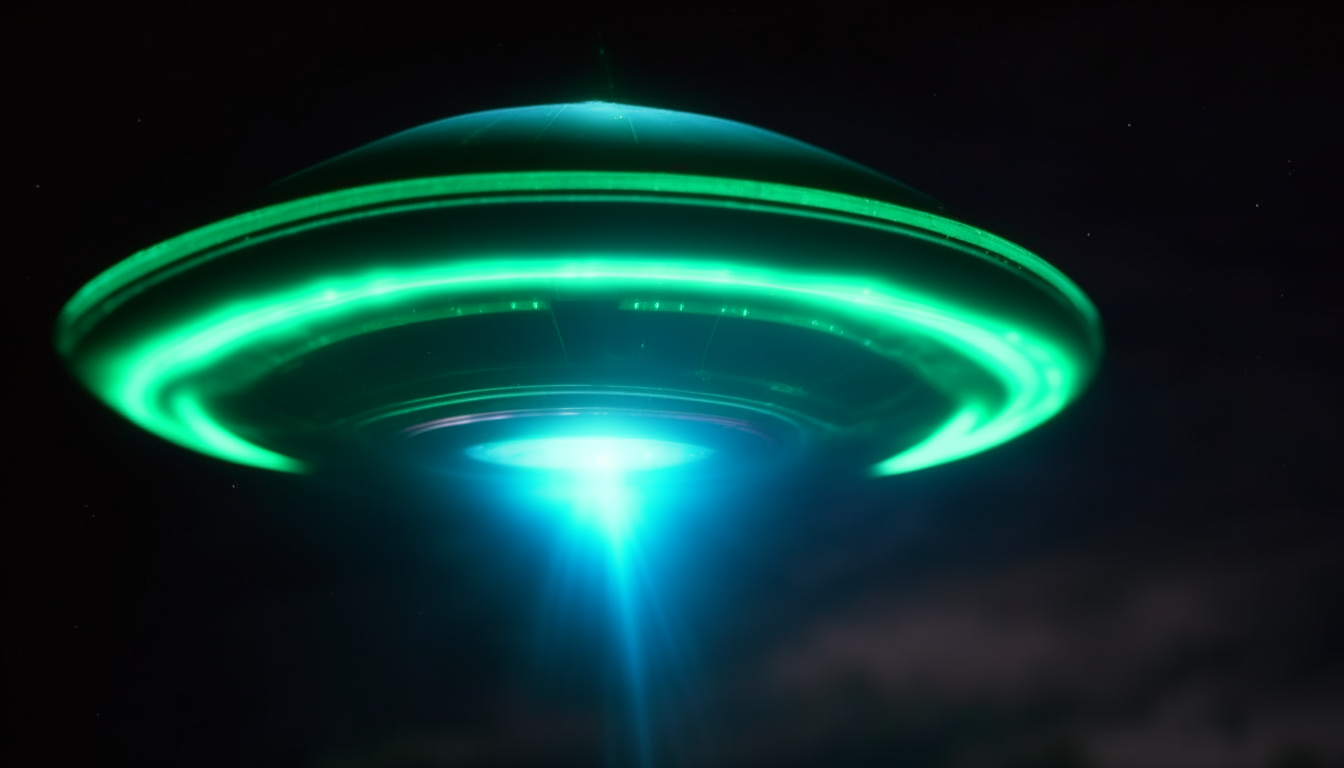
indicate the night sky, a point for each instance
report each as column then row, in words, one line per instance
column 1150, row 580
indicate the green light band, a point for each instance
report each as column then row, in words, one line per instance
column 144, row 381
column 156, row 381
column 734, row 193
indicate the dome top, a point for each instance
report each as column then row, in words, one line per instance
column 598, row 136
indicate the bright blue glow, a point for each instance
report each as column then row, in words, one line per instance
column 614, row 455
column 596, row 479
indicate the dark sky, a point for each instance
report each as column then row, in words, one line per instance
column 1151, row 580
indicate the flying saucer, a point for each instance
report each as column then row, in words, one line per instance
column 584, row 272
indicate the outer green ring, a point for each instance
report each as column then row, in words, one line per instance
column 1040, row 376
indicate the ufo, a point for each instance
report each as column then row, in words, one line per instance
column 521, row 287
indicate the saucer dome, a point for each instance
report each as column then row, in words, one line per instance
column 584, row 270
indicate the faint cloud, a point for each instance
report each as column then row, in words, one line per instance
column 1180, row 662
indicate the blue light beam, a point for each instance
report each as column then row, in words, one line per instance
column 595, row 475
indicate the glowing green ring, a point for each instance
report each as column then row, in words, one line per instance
column 1039, row 376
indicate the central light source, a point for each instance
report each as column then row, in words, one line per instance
column 589, row 454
